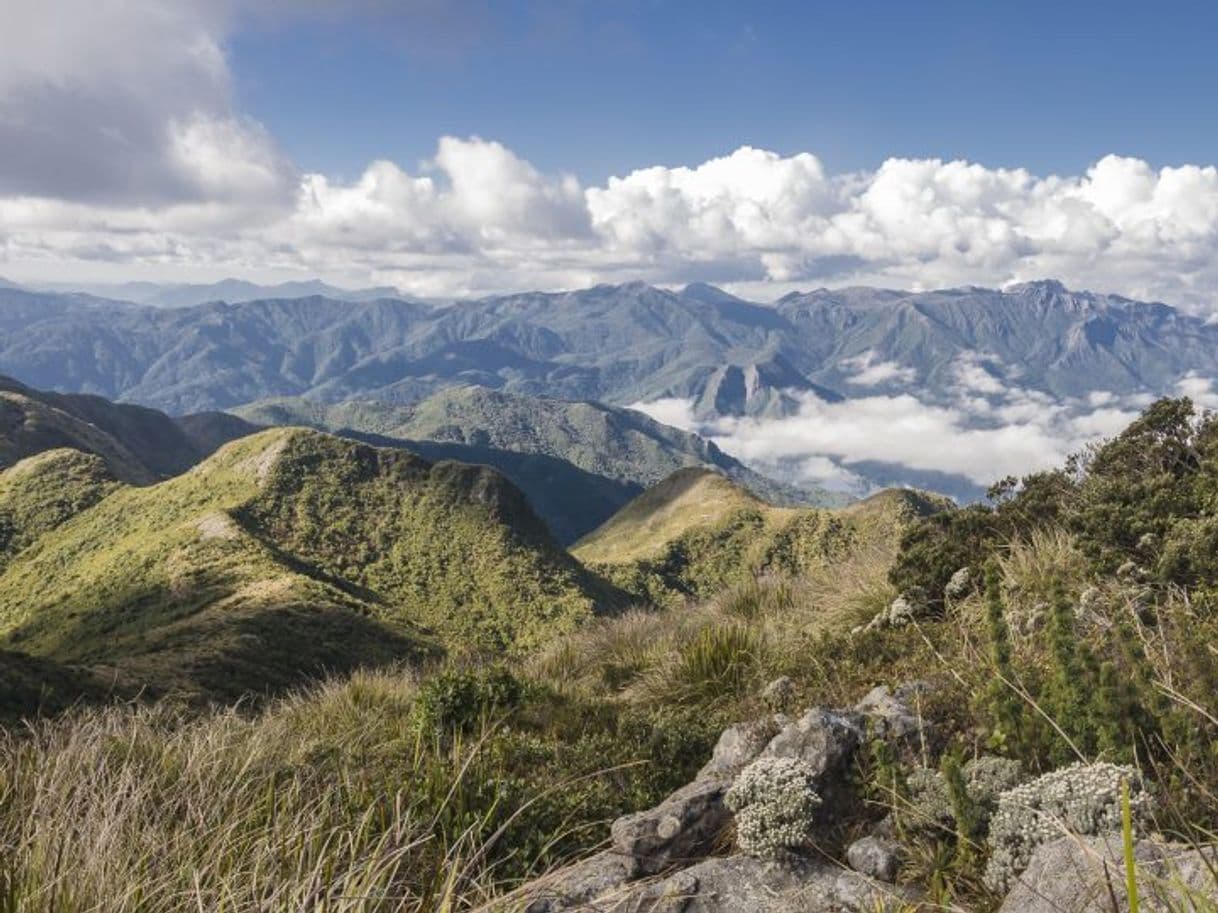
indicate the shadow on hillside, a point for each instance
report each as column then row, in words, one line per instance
column 569, row 500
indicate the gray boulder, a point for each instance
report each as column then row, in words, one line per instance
column 825, row 739
column 1085, row 874
column 876, row 857
column 574, row 887
column 739, row 745
column 743, row 884
column 683, row 828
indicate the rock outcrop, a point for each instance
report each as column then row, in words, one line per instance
column 681, row 829
column 663, row 860
column 1087, row 875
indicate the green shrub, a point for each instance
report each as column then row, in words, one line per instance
column 458, row 699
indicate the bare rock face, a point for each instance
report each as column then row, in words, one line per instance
column 573, row 888
column 681, row 829
column 824, row 739
column 875, row 857
column 1085, row 874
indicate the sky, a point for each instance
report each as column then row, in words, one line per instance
column 471, row 146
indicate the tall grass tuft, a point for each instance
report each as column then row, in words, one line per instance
column 330, row 801
column 720, row 663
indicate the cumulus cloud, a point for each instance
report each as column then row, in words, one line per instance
column 871, row 371
column 127, row 102
column 120, row 144
column 477, row 217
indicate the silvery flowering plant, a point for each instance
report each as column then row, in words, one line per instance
column 774, row 800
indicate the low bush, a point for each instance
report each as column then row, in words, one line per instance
column 1082, row 799
column 774, row 800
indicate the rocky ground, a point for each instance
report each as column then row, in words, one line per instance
column 685, row 856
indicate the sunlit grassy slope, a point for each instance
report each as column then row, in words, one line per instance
column 288, row 553
column 697, row 532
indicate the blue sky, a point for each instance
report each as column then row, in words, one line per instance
column 602, row 88
column 462, row 147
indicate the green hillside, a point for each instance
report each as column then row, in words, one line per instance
column 697, row 532
column 287, row 553
column 139, row 445
column 41, row 492
column 578, row 462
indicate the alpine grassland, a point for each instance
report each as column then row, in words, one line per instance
column 1056, row 640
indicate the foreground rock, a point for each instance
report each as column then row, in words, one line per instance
column 681, row 829
column 1087, row 874
column 742, row 884
column 731, row 884
column 662, row 860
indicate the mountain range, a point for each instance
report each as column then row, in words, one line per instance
column 232, row 291
column 616, row 344
column 134, row 558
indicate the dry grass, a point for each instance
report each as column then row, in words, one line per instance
column 138, row 809
column 727, row 646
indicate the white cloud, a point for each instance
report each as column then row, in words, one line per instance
column 123, row 147
column 976, row 373
column 1200, row 389
column 129, row 102
column 871, row 372
column 1024, row 432
column 479, row 218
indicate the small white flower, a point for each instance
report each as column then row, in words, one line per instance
column 774, row 800
column 1082, row 799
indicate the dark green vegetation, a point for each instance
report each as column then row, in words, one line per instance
column 577, row 462
column 286, row 554
column 32, row 687
column 616, row 344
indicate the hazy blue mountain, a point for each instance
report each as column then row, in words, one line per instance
column 1039, row 335
column 617, row 344
column 232, row 291
column 578, row 462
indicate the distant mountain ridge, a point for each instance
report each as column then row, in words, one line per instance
column 232, row 291
column 137, row 444
column 617, row 344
